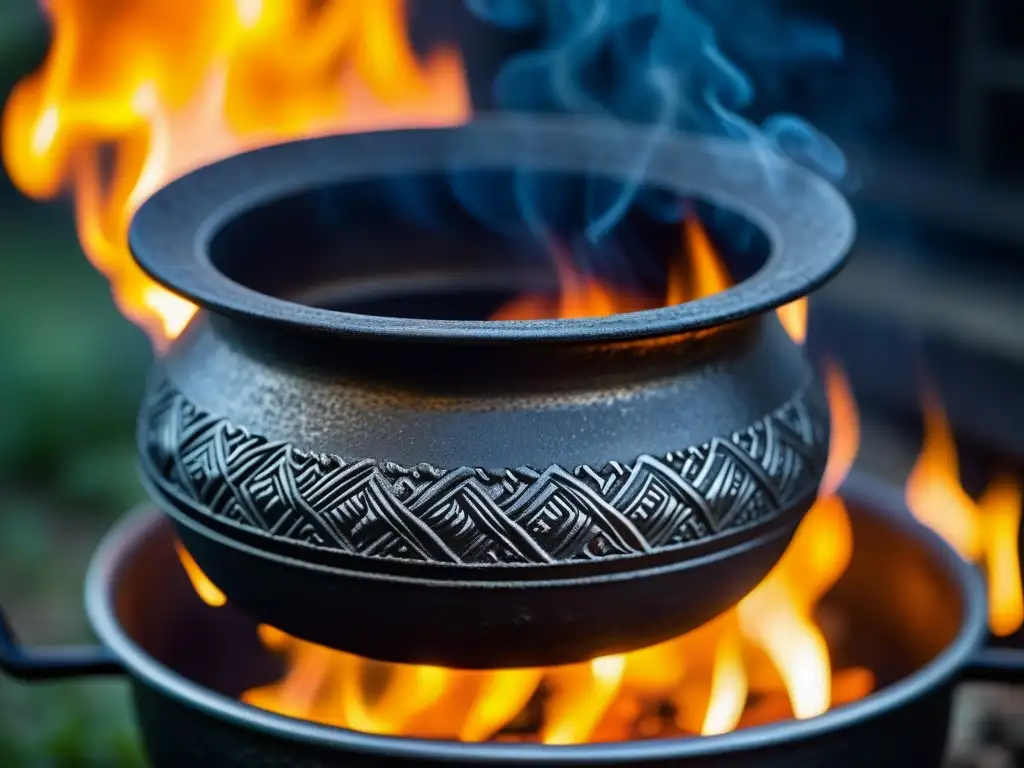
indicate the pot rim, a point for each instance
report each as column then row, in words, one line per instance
column 808, row 223
column 122, row 538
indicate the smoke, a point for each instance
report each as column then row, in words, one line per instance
column 662, row 64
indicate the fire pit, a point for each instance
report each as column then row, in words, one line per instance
column 908, row 609
column 346, row 426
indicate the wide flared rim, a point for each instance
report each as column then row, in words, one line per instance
column 119, row 544
column 807, row 222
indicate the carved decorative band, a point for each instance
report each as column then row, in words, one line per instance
column 472, row 516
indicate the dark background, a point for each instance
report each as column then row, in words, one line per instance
column 932, row 120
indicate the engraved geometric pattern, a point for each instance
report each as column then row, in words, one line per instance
column 380, row 509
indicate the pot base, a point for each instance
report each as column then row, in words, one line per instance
column 484, row 624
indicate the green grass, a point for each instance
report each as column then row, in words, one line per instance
column 84, row 725
column 71, row 372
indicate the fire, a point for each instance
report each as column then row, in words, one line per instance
column 765, row 660
column 134, row 93
column 206, row 589
column 710, row 276
column 695, row 272
column 984, row 531
column 579, row 295
column 793, row 317
column 707, row 273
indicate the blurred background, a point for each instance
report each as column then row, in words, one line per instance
column 71, row 373
column 930, row 112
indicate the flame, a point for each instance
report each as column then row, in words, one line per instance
column 793, row 317
column 844, row 440
column 707, row 272
column 696, row 272
column 984, row 532
column 134, row 93
column 778, row 616
column 579, row 296
column 729, row 687
column 206, row 589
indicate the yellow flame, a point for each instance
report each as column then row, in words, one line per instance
column 708, row 274
column 1000, row 507
column 134, row 93
column 793, row 317
column 770, row 643
column 984, row 531
column 582, row 694
column 933, row 490
column 206, row 589
column 728, row 695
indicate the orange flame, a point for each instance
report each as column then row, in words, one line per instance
column 844, row 441
column 208, row 591
column 984, row 531
column 778, row 616
column 793, row 317
column 696, row 272
column 708, row 274
column 134, row 93
column 579, row 296
column 766, row 659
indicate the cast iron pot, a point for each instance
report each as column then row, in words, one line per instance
column 466, row 492
column 188, row 662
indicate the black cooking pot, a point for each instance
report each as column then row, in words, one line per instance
column 508, row 493
column 188, row 663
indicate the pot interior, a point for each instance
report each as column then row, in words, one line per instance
column 461, row 245
column 899, row 608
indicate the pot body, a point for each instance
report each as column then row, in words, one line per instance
column 503, row 505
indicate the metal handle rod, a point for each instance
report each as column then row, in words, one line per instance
column 52, row 663
column 997, row 665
